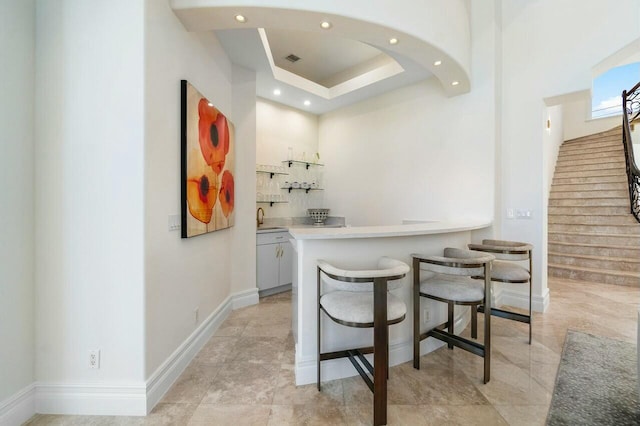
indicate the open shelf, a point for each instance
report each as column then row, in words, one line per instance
column 305, row 163
column 271, row 203
column 272, row 173
column 304, row 189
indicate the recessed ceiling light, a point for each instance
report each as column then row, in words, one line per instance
column 393, row 41
column 325, row 25
column 437, row 63
column 241, row 19
column 307, row 103
column 455, row 83
column 276, row 92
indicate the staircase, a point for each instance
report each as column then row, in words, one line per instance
column 592, row 234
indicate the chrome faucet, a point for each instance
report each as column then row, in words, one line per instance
column 259, row 220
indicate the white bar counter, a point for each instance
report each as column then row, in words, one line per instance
column 359, row 248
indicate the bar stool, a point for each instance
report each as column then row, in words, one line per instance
column 448, row 279
column 506, row 271
column 361, row 299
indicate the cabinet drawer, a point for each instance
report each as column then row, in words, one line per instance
column 272, row 238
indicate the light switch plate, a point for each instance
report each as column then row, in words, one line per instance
column 174, row 222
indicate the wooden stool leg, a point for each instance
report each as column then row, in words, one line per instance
column 450, row 312
column 416, row 314
column 380, row 341
column 474, row 321
column 530, row 295
column 487, row 325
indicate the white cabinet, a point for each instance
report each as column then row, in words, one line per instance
column 274, row 262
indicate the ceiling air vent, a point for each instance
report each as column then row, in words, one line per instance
column 292, row 58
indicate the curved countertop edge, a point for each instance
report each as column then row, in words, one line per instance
column 401, row 230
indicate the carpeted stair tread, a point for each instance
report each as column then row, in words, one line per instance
column 594, row 249
column 603, row 246
column 596, row 218
column 612, row 272
column 591, row 180
column 584, row 162
column 590, row 173
column 591, row 234
column 594, row 257
column 590, row 202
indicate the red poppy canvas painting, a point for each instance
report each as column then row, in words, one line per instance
column 207, row 154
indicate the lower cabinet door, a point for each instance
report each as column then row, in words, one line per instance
column 286, row 263
column 267, row 266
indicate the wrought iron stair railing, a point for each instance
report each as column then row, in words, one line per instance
column 630, row 114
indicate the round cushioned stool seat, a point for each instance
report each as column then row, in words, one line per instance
column 507, row 271
column 357, row 306
column 451, row 287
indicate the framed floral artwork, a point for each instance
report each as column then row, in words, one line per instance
column 207, row 156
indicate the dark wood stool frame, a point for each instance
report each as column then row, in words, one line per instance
column 439, row 332
column 380, row 349
column 510, row 315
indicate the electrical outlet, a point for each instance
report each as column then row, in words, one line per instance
column 425, row 316
column 94, row 359
column 196, row 315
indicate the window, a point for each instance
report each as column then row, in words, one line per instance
column 608, row 87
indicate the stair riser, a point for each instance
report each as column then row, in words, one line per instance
column 585, row 219
column 591, row 173
column 587, row 194
column 594, row 277
column 620, row 178
column 633, row 253
column 596, row 229
column 595, row 263
column 606, row 136
column 588, row 155
column 589, row 161
column 569, row 167
column 596, row 210
column 616, row 240
column 592, row 146
column 607, row 186
column 593, row 202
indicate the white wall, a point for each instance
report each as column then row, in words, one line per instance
column 552, row 139
column 278, row 128
column 243, row 268
column 89, row 211
column 182, row 275
column 414, row 153
column 549, row 49
column 17, row 44
column 577, row 120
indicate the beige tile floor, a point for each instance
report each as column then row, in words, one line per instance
column 244, row 375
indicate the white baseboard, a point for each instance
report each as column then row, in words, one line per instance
column 19, row 407
column 164, row 377
column 245, row 298
column 91, row 399
column 521, row 300
column 135, row 399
